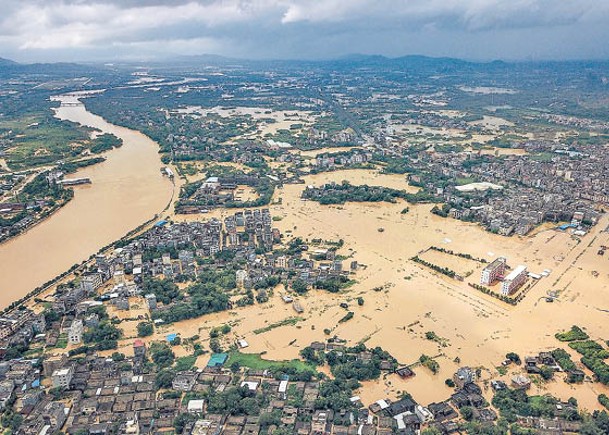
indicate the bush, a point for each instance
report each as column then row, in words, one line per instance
column 299, row 286
column 145, row 329
column 162, row 355
column 546, row 372
column 574, row 334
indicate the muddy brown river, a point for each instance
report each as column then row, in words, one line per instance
column 126, row 191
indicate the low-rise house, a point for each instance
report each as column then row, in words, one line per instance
column 184, row 381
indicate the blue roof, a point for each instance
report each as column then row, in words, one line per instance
column 565, row 226
column 217, row 359
column 36, row 383
column 171, row 337
column 161, row 223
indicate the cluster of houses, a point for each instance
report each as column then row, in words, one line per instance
column 16, row 222
column 564, row 186
column 20, row 326
column 342, row 160
column 102, row 395
column 217, row 192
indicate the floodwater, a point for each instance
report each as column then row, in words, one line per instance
column 404, row 300
column 476, row 330
column 126, row 191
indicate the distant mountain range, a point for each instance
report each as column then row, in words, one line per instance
column 6, row 62
column 11, row 68
column 410, row 62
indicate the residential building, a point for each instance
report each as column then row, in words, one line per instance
column 493, row 272
column 151, row 301
column 91, row 282
column 514, row 280
column 75, row 332
column 241, row 277
column 63, row 377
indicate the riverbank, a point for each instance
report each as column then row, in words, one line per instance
column 127, row 189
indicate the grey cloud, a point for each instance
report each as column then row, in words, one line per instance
column 304, row 28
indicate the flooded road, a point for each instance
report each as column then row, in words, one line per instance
column 127, row 190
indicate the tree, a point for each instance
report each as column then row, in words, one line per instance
column 360, row 301
column 164, row 378
column 514, row 357
column 117, row 356
column 546, row 372
column 145, row 329
column 181, row 420
column 215, row 346
column 299, row 286
column 105, row 331
column 161, row 354
column 467, row 412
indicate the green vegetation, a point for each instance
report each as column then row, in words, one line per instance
column 590, row 349
column 334, row 285
column 256, row 362
column 488, row 291
column 341, row 193
column 443, row 270
column 430, row 363
column 207, row 295
column 593, row 354
column 145, row 329
column 574, row 334
column 185, row 363
column 42, row 139
column 457, row 254
column 70, row 167
column 299, row 286
column 164, row 378
column 104, row 335
column 105, row 142
column 288, row 321
column 512, row 403
column 162, row 355
column 165, row 290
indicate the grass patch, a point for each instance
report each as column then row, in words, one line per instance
column 62, row 341
column 185, row 363
column 462, row 181
column 256, row 362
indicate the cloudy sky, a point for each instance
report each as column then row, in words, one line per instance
column 72, row 30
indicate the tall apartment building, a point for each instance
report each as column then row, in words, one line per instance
column 241, row 277
column 492, row 272
column 514, row 280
